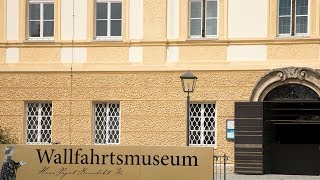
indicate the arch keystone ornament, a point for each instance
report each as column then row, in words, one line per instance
column 283, row 76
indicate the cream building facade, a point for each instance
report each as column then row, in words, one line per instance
column 73, row 78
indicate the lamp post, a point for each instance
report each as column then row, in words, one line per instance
column 188, row 81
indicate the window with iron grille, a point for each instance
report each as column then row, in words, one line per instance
column 107, row 123
column 41, row 19
column 38, row 119
column 203, row 18
column 202, row 124
column 108, row 19
column 293, row 17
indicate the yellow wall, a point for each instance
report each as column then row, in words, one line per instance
column 23, row 25
column 153, row 110
column 153, row 115
column 154, row 20
column 191, row 52
column 201, row 54
column 314, row 6
column 154, row 55
column 118, row 55
column 292, row 52
column 39, row 55
column 2, row 55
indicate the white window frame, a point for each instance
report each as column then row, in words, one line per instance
column 291, row 17
column 41, row 2
column 93, row 122
column 39, row 123
column 205, row 36
column 108, row 37
column 202, row 126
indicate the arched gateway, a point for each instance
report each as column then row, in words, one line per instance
column 278, row 130
column 286, row 76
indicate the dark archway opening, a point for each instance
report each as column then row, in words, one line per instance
column 291, row 131
column 292, row 92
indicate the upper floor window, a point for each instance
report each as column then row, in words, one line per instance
column 203, row 18
column 108, row 19
column 38, row 123
column 293, row 17
column 41, row 19
column 202, row 124
column 106, row 123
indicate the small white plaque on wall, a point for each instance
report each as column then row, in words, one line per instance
column 12, row 55
column 73, row 55
column 172, row 54
column 135, row 54
column 247, row 53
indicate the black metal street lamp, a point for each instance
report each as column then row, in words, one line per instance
column 188, row 81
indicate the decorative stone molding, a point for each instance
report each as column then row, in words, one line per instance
column 290, row 75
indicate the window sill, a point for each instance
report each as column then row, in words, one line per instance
column 202, row 39
column 108, row 39
column 203, row 146
column 39, row 144
column 39, row 40
column 293, row 37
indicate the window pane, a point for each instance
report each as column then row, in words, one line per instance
column 106, row 125
column 284, row 25
column 102, row 28
column 195, row 137
column 116, row 10
column 195, row 123
column 34, row 11
column 195, row 27
column 302, row 24
column 34, row 28
column 302, row 7
column 48, row 11
column 202, row 124
column 39, row 114
column 209, row 138
column 212, row 9
column 113, row 136
column 285, row 7
column 195, row 9
column 115, row 28
column 45, row 136
column 48, row 28
column 211, row 27
column 102, row 10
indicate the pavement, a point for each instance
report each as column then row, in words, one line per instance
column 266, row 177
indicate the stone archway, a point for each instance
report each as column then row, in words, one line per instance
column 291, row 75
column 289, row 98
column 283, row 102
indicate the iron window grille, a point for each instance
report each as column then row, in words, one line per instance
column 203, row 18
column 108, row 19
column 202, row 123
column 293, row 17
column 41, row 19
column 107, row 123
column 38, row 122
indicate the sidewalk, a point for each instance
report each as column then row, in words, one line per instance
column 268, row 177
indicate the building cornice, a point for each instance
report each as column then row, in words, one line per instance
column 96, row 67
column 188, row 42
